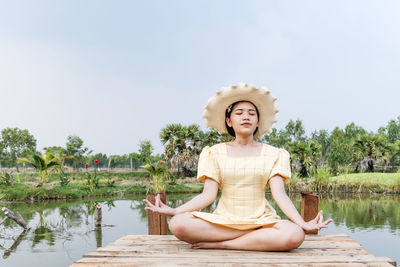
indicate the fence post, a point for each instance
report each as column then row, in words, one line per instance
column 309, row 208
column 157, row 223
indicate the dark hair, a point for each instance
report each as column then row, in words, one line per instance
column 228, row 113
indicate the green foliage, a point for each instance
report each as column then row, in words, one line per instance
column 307, row 153
column 182, row 144
column 76, row 150
column 160, row 173
column 102, row 159
column 6, row 178
column 322, row 138
column 322, row 176
column 43, row 164
column 15, row 143
column 93, row 181
column 64, row 180
column 119, row 161
column 145, row 150
column 110, row 182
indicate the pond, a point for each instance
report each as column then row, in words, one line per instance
column 62, row 231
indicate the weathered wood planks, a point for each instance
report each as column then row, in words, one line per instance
column 165, row 250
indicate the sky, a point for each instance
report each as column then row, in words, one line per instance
column 117, row 72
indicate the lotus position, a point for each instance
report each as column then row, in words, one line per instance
column 242, row 170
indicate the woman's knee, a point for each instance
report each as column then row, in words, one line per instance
column 178, row 225
column 294, row 237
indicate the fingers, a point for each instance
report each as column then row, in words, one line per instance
column 325, row 223
column 157, row 200
column 321, row 216
column 316, row 219
column 148, row 203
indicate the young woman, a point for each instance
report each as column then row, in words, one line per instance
column 241, row 169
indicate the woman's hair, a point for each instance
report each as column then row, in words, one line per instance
column 228, row 113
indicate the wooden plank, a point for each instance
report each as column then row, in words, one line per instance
column 328, row 264
column 172, row 237
column 306, row 244
column 240, row 261
column 206, row 253
column 159, row 250
column 174, row 240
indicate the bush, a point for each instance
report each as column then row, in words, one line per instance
column 6, row 178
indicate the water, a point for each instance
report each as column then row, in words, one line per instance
column 61, row 232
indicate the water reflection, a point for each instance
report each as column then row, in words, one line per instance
column 59, row 227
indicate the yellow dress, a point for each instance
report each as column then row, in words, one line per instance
column 242, row 181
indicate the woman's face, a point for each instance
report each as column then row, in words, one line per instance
column 243, row 119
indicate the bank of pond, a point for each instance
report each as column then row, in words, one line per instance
column 24, row 186
column 62, row 231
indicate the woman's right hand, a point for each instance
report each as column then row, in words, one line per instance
column 159, row 207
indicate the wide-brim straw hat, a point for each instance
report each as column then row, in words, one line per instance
column 214, row 112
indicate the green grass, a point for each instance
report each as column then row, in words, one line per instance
column 134, row 183
column 127, row 183
column 357, row 182
column 388, row 179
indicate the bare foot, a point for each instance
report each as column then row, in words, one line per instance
column 206, row 245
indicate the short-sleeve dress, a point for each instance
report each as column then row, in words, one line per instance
column 242, row 181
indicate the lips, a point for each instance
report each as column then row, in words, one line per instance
column 246, row 124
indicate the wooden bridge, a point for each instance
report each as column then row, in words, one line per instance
column 165, row 250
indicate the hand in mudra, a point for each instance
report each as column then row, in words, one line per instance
column 159, row 207
column 317, row 223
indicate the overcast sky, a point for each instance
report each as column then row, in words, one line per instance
column 116, row 72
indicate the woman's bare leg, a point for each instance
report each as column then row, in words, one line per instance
column 190, row 229
column 282, row 236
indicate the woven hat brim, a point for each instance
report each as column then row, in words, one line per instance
column 214, row 112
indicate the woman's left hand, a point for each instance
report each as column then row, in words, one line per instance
column 317, row 223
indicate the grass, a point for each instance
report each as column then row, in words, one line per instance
column 126, row 184
column 134, row 183
column 355, row 183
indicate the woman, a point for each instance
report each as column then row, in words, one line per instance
column 241, row 169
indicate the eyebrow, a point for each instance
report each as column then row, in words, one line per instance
column 241, row 109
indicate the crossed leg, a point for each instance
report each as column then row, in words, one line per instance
column 282, row 236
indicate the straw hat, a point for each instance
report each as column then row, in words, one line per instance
column 214, row 112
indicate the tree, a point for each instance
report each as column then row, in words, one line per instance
column 135, row 160
column 159, row 173
column 76, row 149
column 307, row 153
column 339, row 150
column 322, row 138
column 58, row 151
column 102, row 159
column 43, row 163
column 295, row 130
column 351, row 131
column 394, row 154
column 371, row 147
column 118, row 161
column 393, row 130
column 15, row 143
column 145, row 150
column 182, row 145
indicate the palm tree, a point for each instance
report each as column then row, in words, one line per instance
column 44, row 163
column 371, row 147
column 307, row 153
column 182, row 144
column 394, row 153
column 159, row 173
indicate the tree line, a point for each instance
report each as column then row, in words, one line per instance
column 351, row 149
column 18, row 143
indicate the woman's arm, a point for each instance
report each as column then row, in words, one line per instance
column 202, row 200
column 286, row 205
